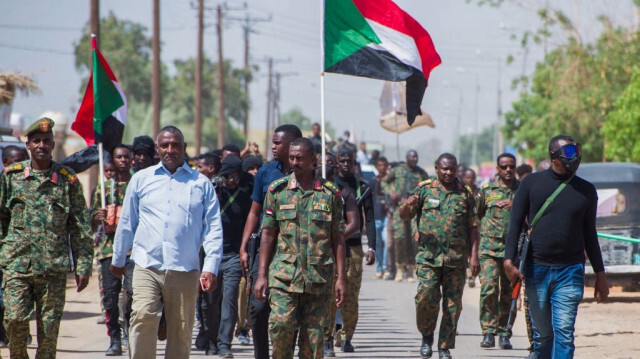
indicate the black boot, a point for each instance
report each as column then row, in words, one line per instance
column 444, row 354
column 347, row 347
column 115, row 349
column 488, row 341
column 504, row 342
column 328, row 348
column 425, row 349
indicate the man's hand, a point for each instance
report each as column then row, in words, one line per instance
column 601, row 288
column 260, row 289
column 474, row 265
column 118, row 272
column 208, row 282
column 244, row 262
column 341, row 289
column 370, row 258
column 83, row 280
column 512, row 272
column 505, row 203
column 412, row 201
column 101, row 215
column 248, row 286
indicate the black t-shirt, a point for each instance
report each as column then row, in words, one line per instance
column 567, row 228
column 233, row 218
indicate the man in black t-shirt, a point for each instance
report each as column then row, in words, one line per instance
column 554, row 273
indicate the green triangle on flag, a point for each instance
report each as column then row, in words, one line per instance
column 345, row 31
column 107, row 99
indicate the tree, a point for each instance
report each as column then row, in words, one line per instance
column 485, row 146
column 622, row 128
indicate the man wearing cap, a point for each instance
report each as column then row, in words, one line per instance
column 220, row 308
column 44, row 218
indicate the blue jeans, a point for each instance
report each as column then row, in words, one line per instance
column 381, row 245
column 554, row 294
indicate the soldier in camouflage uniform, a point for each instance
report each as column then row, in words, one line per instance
column 114, row 190
column 469, row 178
column 447, row 227
column 301, row 240
column 44, row 217
column 402, row 180
column 494, row 211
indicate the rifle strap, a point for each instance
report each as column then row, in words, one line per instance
column 548, row 202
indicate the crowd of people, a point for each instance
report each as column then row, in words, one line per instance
column 273, row 252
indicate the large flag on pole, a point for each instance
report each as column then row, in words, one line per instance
column 103, row 112
column 377, row 39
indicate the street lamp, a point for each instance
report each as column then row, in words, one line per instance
column 474, row 146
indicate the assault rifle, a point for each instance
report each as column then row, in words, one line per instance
column 523, row 248
column 253, row 248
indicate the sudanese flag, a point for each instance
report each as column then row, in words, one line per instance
column 377, row 39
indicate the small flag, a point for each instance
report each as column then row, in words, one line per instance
column 103, row 112
column 379, row 40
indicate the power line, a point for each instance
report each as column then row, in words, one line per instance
column 36, row 49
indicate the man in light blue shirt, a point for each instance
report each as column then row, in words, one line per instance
column 169, row 212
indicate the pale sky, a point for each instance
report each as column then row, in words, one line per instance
column 37, row 37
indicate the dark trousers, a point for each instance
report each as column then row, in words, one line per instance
column 220, row 307
column 259, row 319
column 111, row 287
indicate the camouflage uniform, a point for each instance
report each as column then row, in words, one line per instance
column 444, row 218
column 495, row 293
column 301, row 271
column 402, row 180
column 44, row 217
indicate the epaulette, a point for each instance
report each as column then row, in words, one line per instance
column 332, row 187
column 277, row 183
column 469, row 190
column 485, row 185
column 425, row 182
column 70, row 175
column 14, row 167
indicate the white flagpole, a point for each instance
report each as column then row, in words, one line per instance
column 322, row 119
column 100, row 149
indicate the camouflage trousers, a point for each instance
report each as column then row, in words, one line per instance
column 431, row 281
column 291, row 312
column 495, row 296
column 405, row 248
column 354, row 282
column 21, row 291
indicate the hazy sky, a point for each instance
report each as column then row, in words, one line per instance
column 38, row 36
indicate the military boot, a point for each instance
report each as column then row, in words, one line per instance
column 410, row 270
column 115, row 349
column 425, row 349
column 347, row 347
column 504, row 342
column 444, row 354
column 488, row 341
column 328, row 348
column 399, row 272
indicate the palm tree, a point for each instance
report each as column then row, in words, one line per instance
column 12, row 81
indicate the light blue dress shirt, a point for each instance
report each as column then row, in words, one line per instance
column 167, row 217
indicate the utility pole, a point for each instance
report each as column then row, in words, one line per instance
column 269, row 105
column 221, row 119
column 155, row 77
column 247, row 30
column 198, row 99
column 276, row 96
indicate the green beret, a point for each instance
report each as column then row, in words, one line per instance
column 43, row 125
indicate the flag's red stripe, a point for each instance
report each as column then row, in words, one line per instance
column 387, row 13
column 104, row 63
column 83, row 125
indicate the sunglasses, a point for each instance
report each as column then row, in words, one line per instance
column 568, row 151
column 507, row 166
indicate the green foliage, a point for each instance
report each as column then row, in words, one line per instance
column 485, row 146
column 572, row 92
column 295, row 117
column 622, row 128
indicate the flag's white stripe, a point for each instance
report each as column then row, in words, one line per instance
column 402, row 46
column 121, row 113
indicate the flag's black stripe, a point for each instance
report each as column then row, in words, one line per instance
column 112, row 131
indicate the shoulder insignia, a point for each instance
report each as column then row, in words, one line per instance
column 14, row 167
column 425, row 182
column 69, row 174
column 277, row 183
column 485, row 185
column 332, row 187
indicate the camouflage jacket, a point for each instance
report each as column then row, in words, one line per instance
column 494, row 221
column 114, row 195
column 443, row 221
column 402, row 180
column 44, row 218
column 303, row 255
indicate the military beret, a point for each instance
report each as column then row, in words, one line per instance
column 43, row 125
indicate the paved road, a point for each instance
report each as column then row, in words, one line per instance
column 386, row 328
